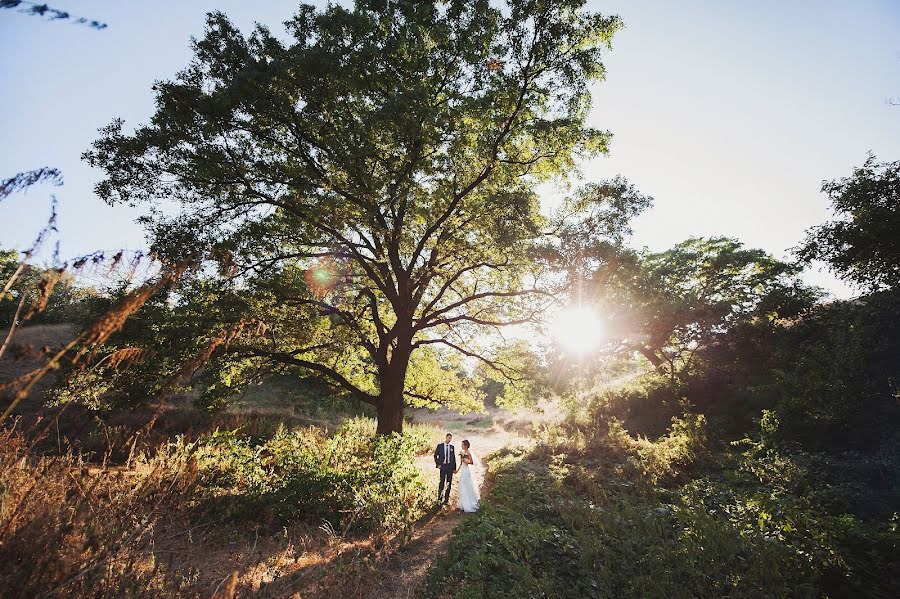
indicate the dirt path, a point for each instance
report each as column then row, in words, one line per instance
column 401, row 574
column 404, row 572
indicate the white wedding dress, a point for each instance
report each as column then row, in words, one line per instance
column 468, row 494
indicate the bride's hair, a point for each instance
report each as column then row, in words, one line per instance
column 466, row 443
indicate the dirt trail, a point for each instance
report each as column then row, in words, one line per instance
column 404, row 572
column 401, row 574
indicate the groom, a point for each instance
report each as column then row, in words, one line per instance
column 445, row 459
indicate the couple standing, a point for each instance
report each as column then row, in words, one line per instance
column 445, row 459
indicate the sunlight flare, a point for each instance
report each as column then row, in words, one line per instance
column 577, row 330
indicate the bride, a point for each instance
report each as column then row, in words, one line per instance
column 468, row 496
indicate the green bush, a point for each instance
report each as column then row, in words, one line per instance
column 595, row 511
column 645, row 405
column 351, row 479
column 684, row 443
column 838, row 377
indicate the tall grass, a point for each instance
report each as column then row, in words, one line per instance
column 73, row 528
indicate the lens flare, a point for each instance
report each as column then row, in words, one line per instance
column 577, row 330
column 322, row 278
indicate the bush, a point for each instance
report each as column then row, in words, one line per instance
column 594, row 511
column 352, row 479
column 645, row 405
column 681, row 446
column 838, row 380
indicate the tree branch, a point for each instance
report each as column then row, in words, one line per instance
column 338, row 378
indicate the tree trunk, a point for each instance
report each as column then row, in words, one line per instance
column 390, row 400
column 652, row 358
column 390, row 414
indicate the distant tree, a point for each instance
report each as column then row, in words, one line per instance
column 675, row 303
column 51, row 294
column 862, row 244
column 366, row 189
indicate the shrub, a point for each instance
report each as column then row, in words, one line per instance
column 837, row 384
column 352, row 479
column 645, row 405
column 681, row 446
column 593, row 511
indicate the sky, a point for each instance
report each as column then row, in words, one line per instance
column 730, row 114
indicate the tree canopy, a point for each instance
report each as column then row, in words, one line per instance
column 366, row 187
column 668, row 305
column 861, row 243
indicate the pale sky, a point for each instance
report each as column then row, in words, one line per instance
column 730, row 114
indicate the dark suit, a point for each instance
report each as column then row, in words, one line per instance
column 447, row 464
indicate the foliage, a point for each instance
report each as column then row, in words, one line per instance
column 861, row 244
column 593, row 511
column 594, row 223
column 672, row 305
column 558, row 524
column 171, row 343
column 520, row 382
column 350, row 479
column 645, row 405
column 66, row 301
column 683, row 445
column 366, row 187
column 838, row 375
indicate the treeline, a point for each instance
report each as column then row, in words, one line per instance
column 65, row 301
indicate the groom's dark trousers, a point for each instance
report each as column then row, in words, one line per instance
column 446, row 461
column 446, row 476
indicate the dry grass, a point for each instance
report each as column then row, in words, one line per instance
column 72, row 528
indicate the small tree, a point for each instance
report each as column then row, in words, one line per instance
column 863, row 243
column 366, row 188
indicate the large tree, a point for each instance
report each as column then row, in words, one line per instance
column 366, row 182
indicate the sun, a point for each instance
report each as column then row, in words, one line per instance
column 577, row 330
